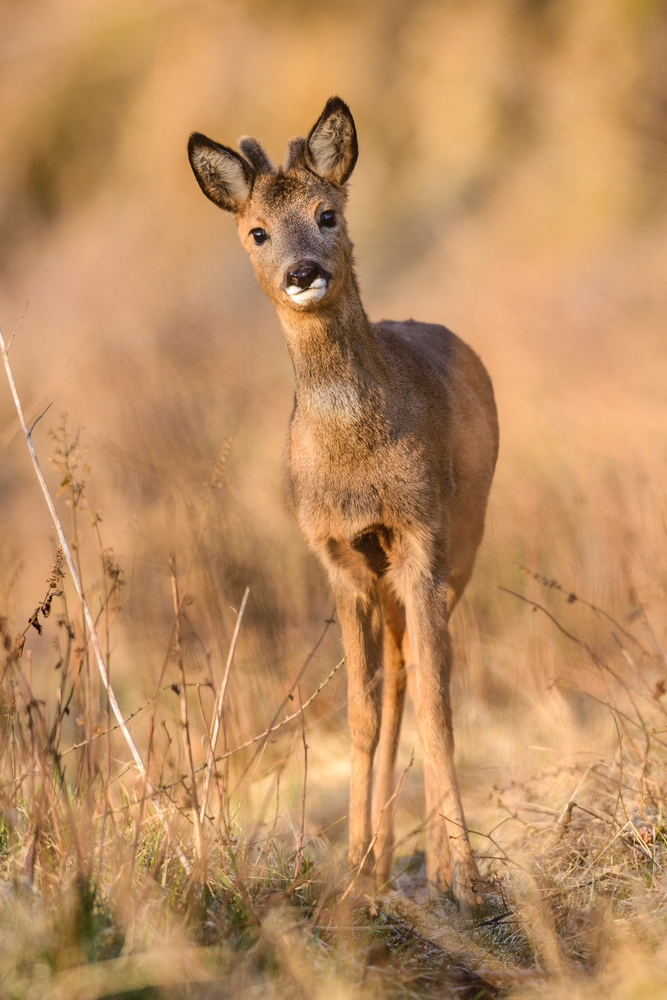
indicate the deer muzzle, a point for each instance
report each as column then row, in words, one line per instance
column 307, row 282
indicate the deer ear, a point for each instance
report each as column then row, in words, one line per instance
column 331, row 147
column 224, row 176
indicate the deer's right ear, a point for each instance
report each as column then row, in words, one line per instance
column 224, row 176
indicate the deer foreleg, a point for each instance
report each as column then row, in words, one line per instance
column 361, row 622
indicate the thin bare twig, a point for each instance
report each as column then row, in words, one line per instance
column 255, row 739
column 112, row 729
column 267, row 732
column 16, row 328
column 42, row 414
column 215, row 481
column 535, row 604
column 572, row 597
column 306, row 663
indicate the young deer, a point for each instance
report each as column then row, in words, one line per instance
column 391, row 450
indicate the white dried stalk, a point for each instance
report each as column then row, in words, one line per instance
column 84, row 603
column 219, row 701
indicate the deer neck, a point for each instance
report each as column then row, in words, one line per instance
column 338, row 367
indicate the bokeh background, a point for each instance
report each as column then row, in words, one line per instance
column 511, row 184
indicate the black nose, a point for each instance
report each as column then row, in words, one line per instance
column 304, row 274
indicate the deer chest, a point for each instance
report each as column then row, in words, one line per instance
column 341, row 484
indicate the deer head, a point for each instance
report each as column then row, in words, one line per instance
column 290, row 219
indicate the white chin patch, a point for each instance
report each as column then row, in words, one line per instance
column 306, row 296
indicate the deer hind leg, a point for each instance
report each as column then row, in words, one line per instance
column 449, row 858
column 437, row 841
column 393, row 699
column 361, row 622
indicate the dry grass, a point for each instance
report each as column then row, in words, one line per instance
column 511, row 185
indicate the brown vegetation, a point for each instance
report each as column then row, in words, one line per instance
column 511, row 185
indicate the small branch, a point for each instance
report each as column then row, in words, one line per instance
column 112, row 729
column 43, row 413
column 572, row 597
column 16, row 330
column 535, row 604
column 218, row 708
column 487, row 836
column 163, row 789
column 288, row 718
column 79, row 589
column 306, row 663
column 267, row 732
column 128, row 718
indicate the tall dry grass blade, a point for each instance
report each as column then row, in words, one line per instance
column 187, row 743
column 219, row 701
column 84, row 603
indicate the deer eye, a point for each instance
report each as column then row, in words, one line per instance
column 327, row 219
column 259, row 235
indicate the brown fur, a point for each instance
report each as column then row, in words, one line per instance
column 391, row 450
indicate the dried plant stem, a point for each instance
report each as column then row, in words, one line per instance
column 566, row 812
column 305, row 782
column 306, row 663
column 267, row 732
column 271, row 838
column 243, row 746
column 219, row 701
column 230, row 753
column 112, row 729
column 79, row 589
column 187, row 743
column 619, row 795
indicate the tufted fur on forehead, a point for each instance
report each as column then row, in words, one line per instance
column 280, row 190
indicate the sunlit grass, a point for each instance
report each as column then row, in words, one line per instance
column 511, row 185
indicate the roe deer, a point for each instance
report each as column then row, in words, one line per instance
column 392, row 445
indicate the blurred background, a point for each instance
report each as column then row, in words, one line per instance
column 511, row 184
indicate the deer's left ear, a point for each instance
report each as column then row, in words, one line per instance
column 331, row 147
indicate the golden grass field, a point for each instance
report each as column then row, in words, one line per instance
column 511, row 185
